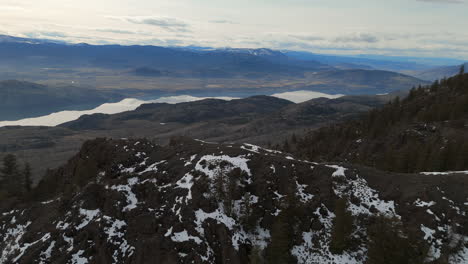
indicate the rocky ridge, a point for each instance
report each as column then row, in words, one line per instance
column 131, row 201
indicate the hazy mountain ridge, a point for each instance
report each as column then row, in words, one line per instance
column 174, row 69
column 439, row 73
column 260, row 120
column 19, row 99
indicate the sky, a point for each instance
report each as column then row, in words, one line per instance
column 425, row 28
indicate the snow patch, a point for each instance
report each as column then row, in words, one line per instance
column 78, row 259
column 444, row 172
column 89, row 215
column 305, row 197
column 420, row 203
column 132, row 200
column 184, row 236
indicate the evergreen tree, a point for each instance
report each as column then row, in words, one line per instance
column 390, row 244
column 286, row 147
column 11, row 175
column 255, row 256
column 279, row 249
column 342, row 228
column 27, row 177
column 462, row 69
column 294, row 139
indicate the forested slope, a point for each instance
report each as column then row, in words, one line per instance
column 426, row 131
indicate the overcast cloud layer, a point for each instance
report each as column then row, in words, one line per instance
column 400, row 27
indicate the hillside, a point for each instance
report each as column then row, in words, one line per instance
column 261, row 120
column 130, row 201
column 426, row 131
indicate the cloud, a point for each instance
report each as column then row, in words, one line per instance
column 222, row 21
column 166, row 23
column 46, row 34
column 307, row 37
column 116, row 31
column 12, row 8
column 363, row 37
column 443, row 1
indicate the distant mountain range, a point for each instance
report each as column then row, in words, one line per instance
column 439, row 72
column 82, row 76
column 170, row 69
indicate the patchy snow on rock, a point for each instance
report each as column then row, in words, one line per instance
column 272, row 167
column 368, row 197
column 88, row 215
column 251, row 148
column 444, row 172
column 216, row 165
column 278, row 195
column 11, row 240
column 420, row 203
column 258, row 149
column 25, row 246
column 340, row 171
column 462, row 255
column 78, row 259
column 189, row 162
column 315, row 245
column 61, row 225
column 47, row 254
column 305, row 197
column 453, row 206
column 128, row 170
column 218, row 215
column 429, row 211
column 435, row 244
column 258, row 238
column 114, row 231
column 186, row 182
column 152, row 168
column 184, row 236
column 50, row 201
column 428, row 233
column 69, row 241
column 132, row 200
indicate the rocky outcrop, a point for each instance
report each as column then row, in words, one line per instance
column 130, row 201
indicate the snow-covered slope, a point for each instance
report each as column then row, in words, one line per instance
column 129, row 201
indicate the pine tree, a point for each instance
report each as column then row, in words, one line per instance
column 279, row 249
column 27, row 177
column 390, row 244
column 11, row 175
column 294, row 138
column 462, row 69
column 255, row 256
column 286, row 147
column 342, row 228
